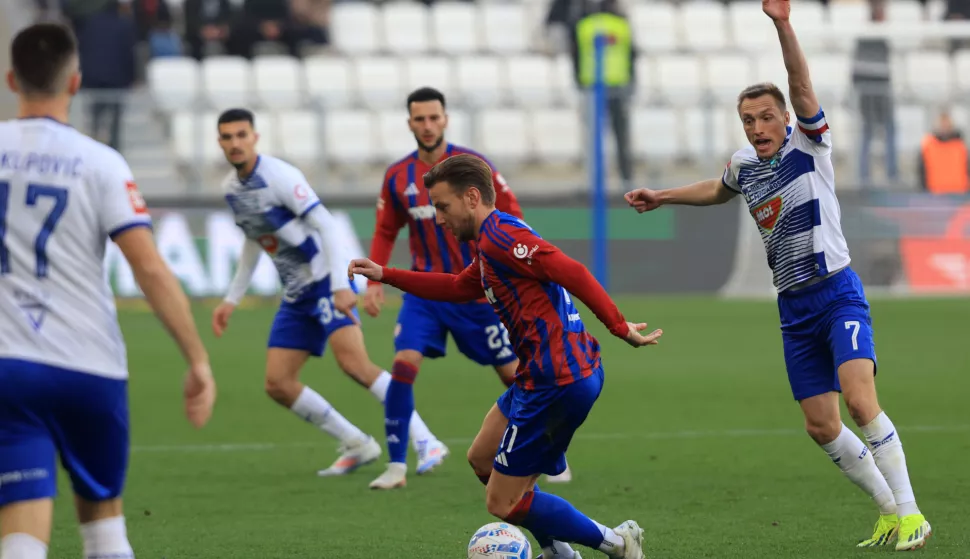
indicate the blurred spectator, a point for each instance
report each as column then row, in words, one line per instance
column 154, row 21
column 206, row 21
column 872, row 81
column 261, row 21
column 943, row 163
column 106, row 45
column 311, row 20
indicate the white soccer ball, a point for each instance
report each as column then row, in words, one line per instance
column 499, row 540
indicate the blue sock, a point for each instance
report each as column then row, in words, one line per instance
column 555, row 519
column 398, row 407
column 543, row 540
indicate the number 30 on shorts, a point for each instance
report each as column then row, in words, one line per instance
column 327, row 311
column 498, row 336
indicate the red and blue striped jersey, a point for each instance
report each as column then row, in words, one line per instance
column 404, row 200
column 528, row 282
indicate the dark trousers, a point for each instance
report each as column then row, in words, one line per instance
column 618, row 109
column 106, row 109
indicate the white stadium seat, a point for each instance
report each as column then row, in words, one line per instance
column 530, row 80
column 329, row 81
column 647, row 84
column 844, row 129
column 299, row 140
column 929, row 75
column 707, row 133
column 429, row 71
column 811, row 20
column 770, row 67
column 480, row 80
column 227, row 81
column 194, row 134
column 279, row 82
column 267, row 129
column 654, row 26
column 396, row 138
column 831, row 77
column 354, row 27
column 459, row 128
column 379, row 81
column 844, row 19
column 558, row 134
column 751, row 29
column 961, row 71
column 654, row 133
column 564, row 81
column 174, row 82
column 503, row 134
column 406, row 27
column 725, row 75
column 911, row 125
column 349, row 137
column 704, row 25
column 905, row 11
column 505, row 28
column 680, row 78
column 453, row 28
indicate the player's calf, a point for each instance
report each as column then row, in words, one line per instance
column 351, row 356
column 857, row 378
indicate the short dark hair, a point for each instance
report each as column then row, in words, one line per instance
column 461, row 172
column 424, row 94
column 237, row 115
column 761, row 89
column 40, row 55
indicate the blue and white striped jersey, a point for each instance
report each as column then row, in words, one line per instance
column 269, row 206
column 792, row 199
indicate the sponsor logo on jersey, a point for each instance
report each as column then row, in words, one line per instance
column 136, row 199
column 523, row 252
column 766, row 214
column 419, row 213
column 269, row 243
column 300, row 192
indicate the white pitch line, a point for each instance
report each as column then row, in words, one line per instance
column 728, row 433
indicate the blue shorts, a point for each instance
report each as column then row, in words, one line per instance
column 46, row 412
column 308, row 322
column 423, row 326
column 823, row 326
column 542, row 424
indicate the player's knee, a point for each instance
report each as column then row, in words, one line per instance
column 480, row 462
column 863, row 409
column 283, row 390
column 499, row 506
column 823, row 430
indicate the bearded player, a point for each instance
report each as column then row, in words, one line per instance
column 787, row 180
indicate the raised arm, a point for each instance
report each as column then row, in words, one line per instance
column 449, row 288
column 800, row 90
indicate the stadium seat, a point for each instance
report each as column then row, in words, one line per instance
column 929, row 75
column 844, row 19
column 503, row 134
column 480, row 80
column 647, row 88
column 736, row 137
column 557, row 134
column 704, row 25
column 936, row 9
column 194, row 135
column 832, row 77
column 354, row 28
column 707, row 134
column 453, row 28
column 174, row 82
column 654, row 26
column 725, row 75
column 349, row 137
column 429, row 71
column 905, row 11
column 504, row 27
column 845, row 132
column 328, row 81
column 751, row 29
column 911, row 125
column 459, row 128
column 279, row 83
column 961, row 71
column 770, row 67
column 379, row 81
column 267, row 129
column 530, row 80
column 396, row 139
column 227, row 81
column 300, row 144
column 406, row 27
column 812, row 19
column 564, row 81
column 654, row 133
column 679, row 77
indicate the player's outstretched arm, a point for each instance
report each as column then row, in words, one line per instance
column 165, row 296
column 800, row 89
column 705, row 193
column 248, row 259
column 450, row 288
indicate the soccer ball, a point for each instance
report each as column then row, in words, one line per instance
column 499, row 540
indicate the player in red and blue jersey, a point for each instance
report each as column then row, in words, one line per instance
column 528, row 282
column 423, row 325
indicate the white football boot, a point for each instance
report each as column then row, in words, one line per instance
column 632, row 536
column 394, row 477
column 352, row 456
column 431, row 454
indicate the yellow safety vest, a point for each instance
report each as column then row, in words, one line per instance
column 617, row 53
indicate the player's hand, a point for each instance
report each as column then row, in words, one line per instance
column 636, row 339
column 374, row 299
column 778, row 10
column 220, row 317
column 200, row 394
column 642, row 199
column 344, row 300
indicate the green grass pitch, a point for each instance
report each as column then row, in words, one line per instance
column 698, row 439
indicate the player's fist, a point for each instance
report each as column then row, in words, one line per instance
column 365, row 267
column 642, row 199
column 220, row 317
column 200, row 394
column 344, row 300
column 374, row 299
column 778, row 10
column 636, row 339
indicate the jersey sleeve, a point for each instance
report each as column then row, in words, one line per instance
column 812, row 134
column 505, row 199
column 528, row 255
column 390, row 220
column 294, row 193
column 450, row 288
column 730, row 177
column 121, row 206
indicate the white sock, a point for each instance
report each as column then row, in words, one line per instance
column 106, row 539
column 559, row 550
column 612, row 543
column 22, row 546
column 854, row 459
column 887, row 449
column 313, row 408
column 418, row 431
